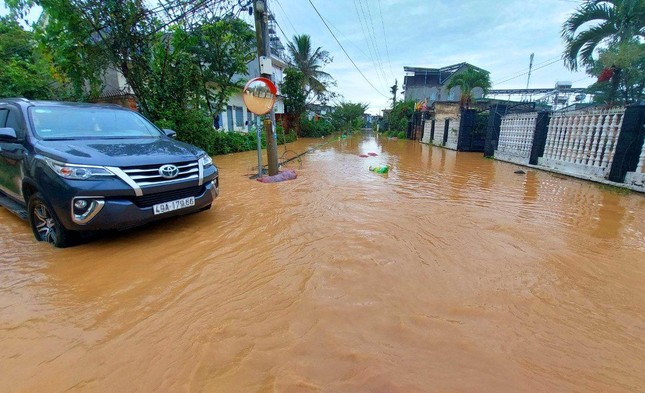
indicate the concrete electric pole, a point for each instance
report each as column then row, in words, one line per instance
column 261, row 13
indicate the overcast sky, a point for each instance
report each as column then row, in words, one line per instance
column 383, row 36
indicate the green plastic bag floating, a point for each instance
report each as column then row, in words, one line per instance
column 380, row 169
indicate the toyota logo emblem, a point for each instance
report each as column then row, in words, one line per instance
column 168, row 171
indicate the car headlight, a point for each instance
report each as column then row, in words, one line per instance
column 205, row 160
column 77, row 172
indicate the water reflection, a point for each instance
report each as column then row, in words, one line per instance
column 452, row 273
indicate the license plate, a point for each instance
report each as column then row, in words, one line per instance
column 166, row 207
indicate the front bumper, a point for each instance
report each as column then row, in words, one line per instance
column 119, row 208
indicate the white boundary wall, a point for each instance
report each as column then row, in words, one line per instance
column 516, row 137
column 583, row 142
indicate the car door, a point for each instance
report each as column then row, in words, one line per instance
column 12, row 153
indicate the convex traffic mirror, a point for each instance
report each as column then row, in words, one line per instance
column 259, row 95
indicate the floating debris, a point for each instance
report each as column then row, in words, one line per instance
column 380, row 169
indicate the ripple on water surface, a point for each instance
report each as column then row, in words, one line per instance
column 448, row 273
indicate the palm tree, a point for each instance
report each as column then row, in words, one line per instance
column 619, row 21
column 310, row 63
column 467, row 81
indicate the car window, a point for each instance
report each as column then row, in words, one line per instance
column 13, row 121
column 89, row 122
column 3, row 117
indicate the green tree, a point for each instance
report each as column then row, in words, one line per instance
column 310, row 62
column 601, row 21
column 348, row 115
column 294, row 97
column 175, row 67
column 467, row 80
column 223, row 48
column 625, row 81
column 24, row 72
column 400, row 114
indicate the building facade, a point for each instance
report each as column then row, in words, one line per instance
column 431, row 83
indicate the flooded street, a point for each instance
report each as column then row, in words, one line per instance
column 450, row 273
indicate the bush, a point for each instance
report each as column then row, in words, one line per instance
column 192, row 127
column 401, row 135
column 195, row 127
column 315, row 128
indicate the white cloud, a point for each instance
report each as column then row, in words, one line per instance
column 497, row 36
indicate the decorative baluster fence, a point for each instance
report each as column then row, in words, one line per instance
column 516, row 137
column 583, row 142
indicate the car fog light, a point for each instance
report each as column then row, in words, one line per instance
column 83, row 210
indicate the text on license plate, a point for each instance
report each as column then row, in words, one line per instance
column 166, row 207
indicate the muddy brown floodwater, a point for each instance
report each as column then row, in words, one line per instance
column 449, row 274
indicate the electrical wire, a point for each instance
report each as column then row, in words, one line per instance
column 387, row 47
column 525, row 73
column 374, row 39
column 346, row 54
column 295, row 31
column 537, row 66
column 369, row 41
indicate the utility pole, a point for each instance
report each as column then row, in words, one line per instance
column 261, row 13
column 393, row 90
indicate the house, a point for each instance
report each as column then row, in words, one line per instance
column 236, row 116
column 431, row 83
column 319, row 110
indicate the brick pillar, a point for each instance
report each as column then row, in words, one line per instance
column 629, row 144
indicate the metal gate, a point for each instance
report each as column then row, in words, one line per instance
column 472, row 130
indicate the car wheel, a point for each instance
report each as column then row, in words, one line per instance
column 45, row 224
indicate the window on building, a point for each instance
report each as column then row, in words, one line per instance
column 239, row 117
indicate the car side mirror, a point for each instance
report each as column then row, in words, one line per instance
column 170, row 133
column 8, row 133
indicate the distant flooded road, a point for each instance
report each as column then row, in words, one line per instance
column 449, row 274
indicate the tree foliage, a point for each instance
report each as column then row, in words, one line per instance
column 223, row 47
column 348, row 116
column 467, row 80
column 601, row 21
column 24, row 71
column 310, row 62
column 178, row 57
column 294, row 97
column 626, row 66
column 399, row 116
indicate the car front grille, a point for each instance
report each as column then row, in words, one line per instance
column 167, row 196
column 149, row 175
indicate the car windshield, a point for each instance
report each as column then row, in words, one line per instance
column 90, row 123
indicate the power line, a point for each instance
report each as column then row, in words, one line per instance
column 372, row 34
column 346, row 54
column 513, row 76
column 525, row 73
column 295, row 31
column 367, row 42
column 387, row 48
